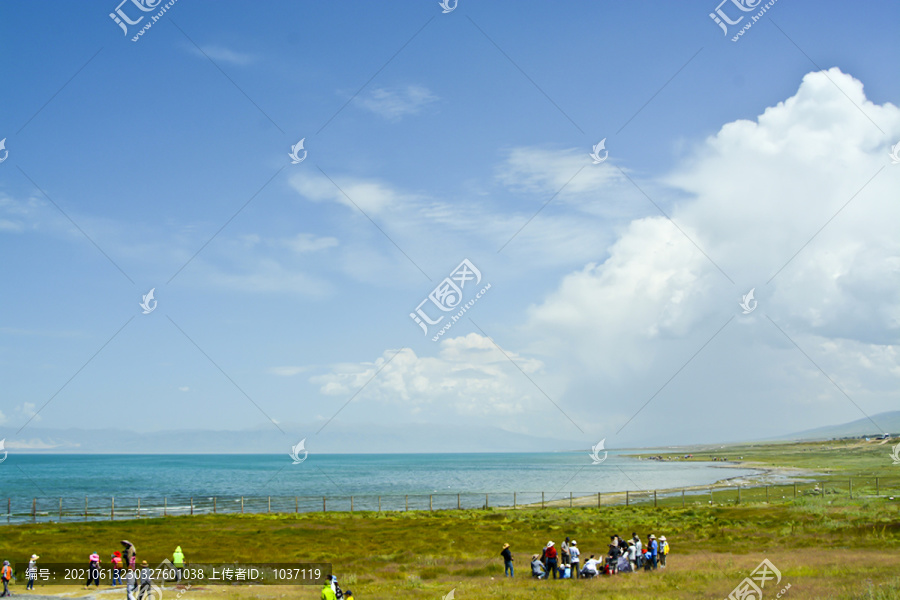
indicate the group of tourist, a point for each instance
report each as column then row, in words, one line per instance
column 565, row 562
column 137, row 579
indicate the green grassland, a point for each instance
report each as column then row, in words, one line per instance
column 826, row 545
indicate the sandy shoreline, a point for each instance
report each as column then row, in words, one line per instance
column 765, row 475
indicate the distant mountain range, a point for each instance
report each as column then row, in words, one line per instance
column 337, row 439
column 887, row 422
column 342, row 439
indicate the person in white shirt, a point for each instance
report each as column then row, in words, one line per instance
column 632, row 555
column 591, row 567
column 575, row 558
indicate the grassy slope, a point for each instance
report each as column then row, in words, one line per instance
column 825, row 546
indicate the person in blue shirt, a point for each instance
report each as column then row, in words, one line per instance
column 654, row 551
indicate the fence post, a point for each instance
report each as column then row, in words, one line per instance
column 297, row 504
column 139, row 506
column 486, row 502
column 407, row 502
column 514, row 500
column 192, row 505
column 599, row 503
column 542, row 499
column 795, row 489
column 627, row 499
column 351, row 503
column 112, row 508
column 214, row 505
column 85, row 508
column 268, row 504
column 60, row 509
column 850, row 482
column 379, row 503
column 323, row 504
column 654, row 498
column 711, row 498
column 165, row 506
column 34, row 509
column 739, row 494
column 430, row 502
column 682, row 497
column 767, row 493
column 458, row 503
column 570, row 499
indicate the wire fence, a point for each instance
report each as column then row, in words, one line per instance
column 23, row 510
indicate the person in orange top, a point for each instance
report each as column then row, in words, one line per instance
column 6, row 575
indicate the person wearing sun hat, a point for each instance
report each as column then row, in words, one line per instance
column 31, row 572
column 146, row 581
column 653, row 546
column 552, row 561
column 507, row 561
column 93, row 571
column 663, row 550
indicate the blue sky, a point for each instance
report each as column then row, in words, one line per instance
column 446, row 133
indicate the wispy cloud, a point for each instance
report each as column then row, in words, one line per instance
column 224, row 55
column 288, row 371
column 395, row 103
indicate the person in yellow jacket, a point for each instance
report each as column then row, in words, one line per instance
column 327, row 592
column 663, row 551
column 178, row 561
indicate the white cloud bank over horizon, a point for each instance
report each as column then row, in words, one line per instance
column 809, row 179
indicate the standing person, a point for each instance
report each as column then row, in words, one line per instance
column 93, row 571
column 552, row 560
column 663, row 551
column 612, row 559
column 116, row 561
column 131, row 583
column 564, row 552
column 507, row 561
column 32, row 571
column 338, row 594
column 327, row 591
column 6, row 575
column 575, row 556
column 130, row 556
column 146, row 580
column 654, row 551
column 178, row 561
column 632, row 555
column 348, row 595
column 638, row 550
